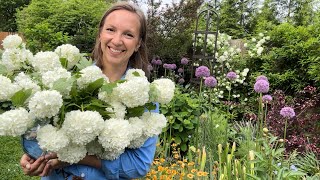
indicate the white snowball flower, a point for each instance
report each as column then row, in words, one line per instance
column 46, row 61
column 51, row 139
column 49, row 77
column 133, row 73
column 15, row 122
column 94, row 148
column 259, row 51
column 82, row 127
column 89, row 75
column 13, row 59
column 138, row 142
column 137, row 126
column 154, row 122
column 11, row 41
column 24, row 81
column 162, row 90
column 118, row 110
column 116, row 135
column 7, row 88
column 72, row 153
column 134, row 92
column 45, row 104
column 70, row 52
column 110, row 154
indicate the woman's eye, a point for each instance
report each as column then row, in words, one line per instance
column 129, row 35
column 109, row 29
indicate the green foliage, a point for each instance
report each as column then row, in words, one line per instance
column 11, row 152
column 49, row 23
column 182, row 114
column 308, row 163
column 290, row 59
column 8, row 10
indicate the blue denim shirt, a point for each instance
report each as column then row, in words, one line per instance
column 133, row 163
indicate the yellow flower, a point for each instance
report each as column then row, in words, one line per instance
column 193, row 170
column 162, row 160
column 190, row 163
column 190, row 176
column 205, row 173
column 199, row 173
column 160, row 168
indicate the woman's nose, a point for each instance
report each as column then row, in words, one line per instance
column 117, row 39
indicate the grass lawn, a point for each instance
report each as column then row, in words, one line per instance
column 10, row 154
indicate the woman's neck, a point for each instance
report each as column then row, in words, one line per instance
column 114, row 73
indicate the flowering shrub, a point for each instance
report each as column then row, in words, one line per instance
column 64, row 102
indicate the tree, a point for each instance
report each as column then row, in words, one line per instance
column 7, row 13
column 49, row 23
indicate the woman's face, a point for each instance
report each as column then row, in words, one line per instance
column 119, row 37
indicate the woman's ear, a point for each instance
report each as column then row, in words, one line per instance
column 138, row 46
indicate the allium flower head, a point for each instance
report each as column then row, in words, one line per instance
column 266, row 98
column 150, row 67
column 210, row 81
column 181, row 81
column 287, row 112
column 170, row 66
column 184, row 61
column 262, row 77
column 202, row 71
column 180, row 70
column 158, row 62
column 261, row 86
column 231, row 75
column 11, row 41
column 154, row 61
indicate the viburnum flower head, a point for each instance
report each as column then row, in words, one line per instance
column 25, row 82
column 202, row 71
column 133, row 73
column 46, row 61
column 115, row 135
column 15, row 122
column 82, row 126
column 49, row 77
column 51, row 139
column 72, row 153
column 210, row 81
column 14, row 59
column 184, row 61
column 7, row 88
column 134, row 92
column 231, row 75
column 45, row 104
column 162, row 90
column 117, row 109
column 137, row 127
column 89, row 75
column 154, row 122
column 11, row 41
column 287, row 112
column 70, row 52
column 261, row 86
column 266, row 98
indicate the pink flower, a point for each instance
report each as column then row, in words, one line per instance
column 287, row 112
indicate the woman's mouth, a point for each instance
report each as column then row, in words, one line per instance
column 116, row 50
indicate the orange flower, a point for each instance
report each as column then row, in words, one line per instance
column 205, row 173
column 190, row 176
column 193, row 170
column 199, row 173
column 190, row 163
column 162, row 160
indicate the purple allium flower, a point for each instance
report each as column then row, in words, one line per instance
column 158, row 62
column 150, row 68
column 181, row 81
column 202, row 71
column 210, row 81
column 180, row 70
column 266, row 98
column 184, row 61
column 169, row 66
column 173, row 66
column 166, row 66
column 261, row 86
column 232, row 75
column 262, row 77
column 287, row 112
column 154, row 61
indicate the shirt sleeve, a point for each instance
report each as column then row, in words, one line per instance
column 133, row 163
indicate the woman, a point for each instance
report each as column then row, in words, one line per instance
column 120, row 44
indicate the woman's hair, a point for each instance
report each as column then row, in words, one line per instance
column 138, row 59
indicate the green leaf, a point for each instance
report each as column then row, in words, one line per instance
column 93, row 86
column 134, row 112
column 183, row 147
column 64, row 62
column 150, row 106
column 136, row 74
column 83, row 63
column 108, row 88
column 19, row 98
column 3, row 69
column 177, row 139
column 62, row 84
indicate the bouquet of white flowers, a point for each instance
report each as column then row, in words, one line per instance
column 67, row 105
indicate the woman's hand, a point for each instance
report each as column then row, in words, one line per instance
column 33, row 167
